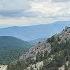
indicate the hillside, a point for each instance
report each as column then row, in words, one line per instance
column 51, row 54
column 31, row 33
column 11, row 48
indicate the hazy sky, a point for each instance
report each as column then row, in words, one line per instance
column 29, row 12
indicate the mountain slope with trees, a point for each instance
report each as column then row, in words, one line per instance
column 51, row 54
column 11, row 48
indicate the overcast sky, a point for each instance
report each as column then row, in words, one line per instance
column 30, row 12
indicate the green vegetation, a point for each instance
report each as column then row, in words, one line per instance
column 58, row 56
column 60, row 53
column 11, row 48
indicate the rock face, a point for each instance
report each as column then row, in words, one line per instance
column 45, row 45
column 3, row 67
column 39, row 47
column 65, row 34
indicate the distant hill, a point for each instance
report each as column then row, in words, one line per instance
column 11, row 48
column 29, row 33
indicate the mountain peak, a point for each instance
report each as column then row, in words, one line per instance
column 66, row 32
column 67, row 29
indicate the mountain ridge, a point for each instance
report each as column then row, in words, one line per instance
column 29, row 33
column 50, row 54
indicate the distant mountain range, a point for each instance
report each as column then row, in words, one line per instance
column 29, row 33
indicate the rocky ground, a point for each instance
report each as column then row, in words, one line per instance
column 3, row 67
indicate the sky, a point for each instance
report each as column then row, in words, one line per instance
column 32, row 12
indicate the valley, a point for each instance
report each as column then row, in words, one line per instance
column 51, row 53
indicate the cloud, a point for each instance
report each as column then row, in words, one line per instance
column 60, row 0
column 14, row 4
column 28, row 12
column 51, row 9
column 24, row 20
